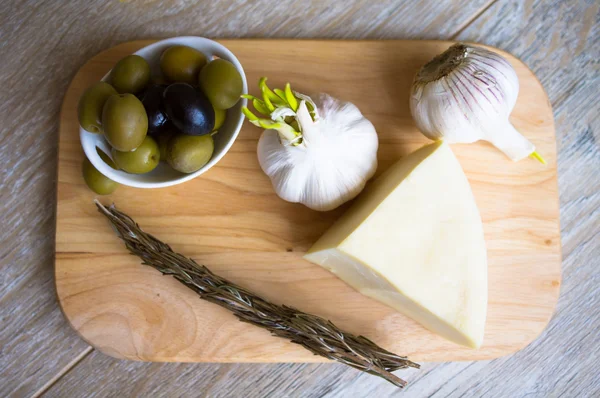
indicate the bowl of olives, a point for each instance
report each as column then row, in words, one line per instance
column 161, row 116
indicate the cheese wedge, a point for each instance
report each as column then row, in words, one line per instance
column 414, row 241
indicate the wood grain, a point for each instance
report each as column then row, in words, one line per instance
column 45, row 43
column 243, row 231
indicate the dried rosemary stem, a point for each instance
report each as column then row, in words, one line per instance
column 318, row 335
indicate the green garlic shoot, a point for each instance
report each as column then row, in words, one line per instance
column 277, row 110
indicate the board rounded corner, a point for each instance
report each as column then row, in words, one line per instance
column 534, row 335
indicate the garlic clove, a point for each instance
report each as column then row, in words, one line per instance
column 313, row 107
column 305, row 121
column 274, row 160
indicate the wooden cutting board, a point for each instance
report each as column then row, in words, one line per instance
column 231, row 220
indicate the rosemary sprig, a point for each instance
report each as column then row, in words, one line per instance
column 318, row 335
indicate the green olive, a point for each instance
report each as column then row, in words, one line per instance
column 182, row 64
column 89, row 110
column 97, row 181
column 189, row 153
column 124, row 122
column 222, row 83
column 130, row 75
column 219, row 118
column 141, row 160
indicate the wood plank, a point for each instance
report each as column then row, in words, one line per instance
column 143, row 379
column 35, row 341
column 243, row 231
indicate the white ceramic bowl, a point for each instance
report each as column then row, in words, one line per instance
column 163, row 175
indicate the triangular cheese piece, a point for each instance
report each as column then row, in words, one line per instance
column 414, row 241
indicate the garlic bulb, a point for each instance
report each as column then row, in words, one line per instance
column 466, row 94
column 319, row 153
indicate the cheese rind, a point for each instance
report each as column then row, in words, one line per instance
column 414, row 241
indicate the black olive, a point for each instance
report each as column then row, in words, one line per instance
column 188, row 109
column 152, row 100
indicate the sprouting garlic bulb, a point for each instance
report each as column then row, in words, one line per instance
column 466, row 94
column 320, row 153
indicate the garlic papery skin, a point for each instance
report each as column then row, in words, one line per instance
column 330, row 159
column 466, row 94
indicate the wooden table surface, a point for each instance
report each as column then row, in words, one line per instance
column 44, row 43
